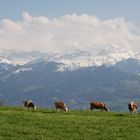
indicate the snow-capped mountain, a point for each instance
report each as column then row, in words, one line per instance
column 72, row 59
column 5, row 61
column 91, row 57
column 44, row 83
column 5, row 65
column 20, row 57
column 77, row 75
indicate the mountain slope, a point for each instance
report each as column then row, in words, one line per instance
column 129, row 66
column 44, row 83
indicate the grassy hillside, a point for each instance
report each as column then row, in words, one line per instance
column 19, row 124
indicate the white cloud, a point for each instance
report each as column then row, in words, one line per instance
column 66, row 33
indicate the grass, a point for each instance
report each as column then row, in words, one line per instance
column 43, row 124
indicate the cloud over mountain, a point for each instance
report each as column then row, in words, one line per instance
column 66, row 33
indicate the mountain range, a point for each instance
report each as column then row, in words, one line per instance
column 75, row 76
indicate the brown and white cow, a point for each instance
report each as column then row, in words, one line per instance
column 132, row 106
column 98, row 105
column 61, row 105
column 29, row 104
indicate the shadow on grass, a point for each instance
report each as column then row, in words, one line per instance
column 119, row 114
column 48, row 112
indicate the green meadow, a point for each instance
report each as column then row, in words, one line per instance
column 45, row 124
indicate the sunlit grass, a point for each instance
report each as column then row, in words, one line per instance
column 44, row 124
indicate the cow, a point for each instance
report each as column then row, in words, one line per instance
column 29, row 104
column 98, row 105
column 61, row 105
column 133, row 106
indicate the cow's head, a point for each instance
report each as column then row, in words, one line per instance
column 66, row 109
column 107, row 110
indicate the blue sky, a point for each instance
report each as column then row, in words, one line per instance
column 61, row 25
column 103, row 9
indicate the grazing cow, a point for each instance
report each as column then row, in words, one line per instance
column 98, row 105
column 29, row 104
column 132, row 106
column 61, row 105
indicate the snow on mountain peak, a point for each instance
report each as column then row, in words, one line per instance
column 5, row 61
column 92, row 57
column 75, row 58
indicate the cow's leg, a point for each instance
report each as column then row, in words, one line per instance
column 134, row 111
column 56, row 109
column 25, row 107
column 101, row 109
column 131, row 112
column 92, row 108
column 34, row 107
